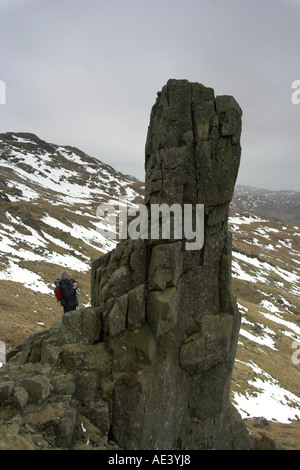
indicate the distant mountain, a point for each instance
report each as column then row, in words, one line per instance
column 282, row 206
column 48, row 199
column 49, row 195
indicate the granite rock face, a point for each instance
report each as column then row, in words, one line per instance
column 149, row 365
column 168, row 314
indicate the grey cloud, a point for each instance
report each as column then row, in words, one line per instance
column 86, row 73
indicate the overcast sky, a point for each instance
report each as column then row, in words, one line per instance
column 86, row 72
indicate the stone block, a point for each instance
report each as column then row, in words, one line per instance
column 165, row 266
column 119, row 282
column 217, row 335
column 229, row 114
column 136, row 305
column 162, row 310
column 6, row 390
column 138, row 262
column 21, row 397
column 117, row 316
column 38, row 388
column 81, row 326
column 192, row 354
column 145, row 345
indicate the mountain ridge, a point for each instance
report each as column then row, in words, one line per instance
column 280, row 205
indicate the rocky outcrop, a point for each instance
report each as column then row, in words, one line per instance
column 149, row 365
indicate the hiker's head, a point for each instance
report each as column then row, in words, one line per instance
column 65, row 275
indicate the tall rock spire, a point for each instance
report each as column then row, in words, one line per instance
column 169, row 317
column 149, row 365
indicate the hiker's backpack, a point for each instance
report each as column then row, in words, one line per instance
column 57, row 290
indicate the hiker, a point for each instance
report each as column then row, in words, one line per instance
column 68, row 287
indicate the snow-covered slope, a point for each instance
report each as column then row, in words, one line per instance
column 61, row 174
column 49, row 195
column 266, row 281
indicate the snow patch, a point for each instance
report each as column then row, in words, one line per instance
column 29, row 279
column 271, row 400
